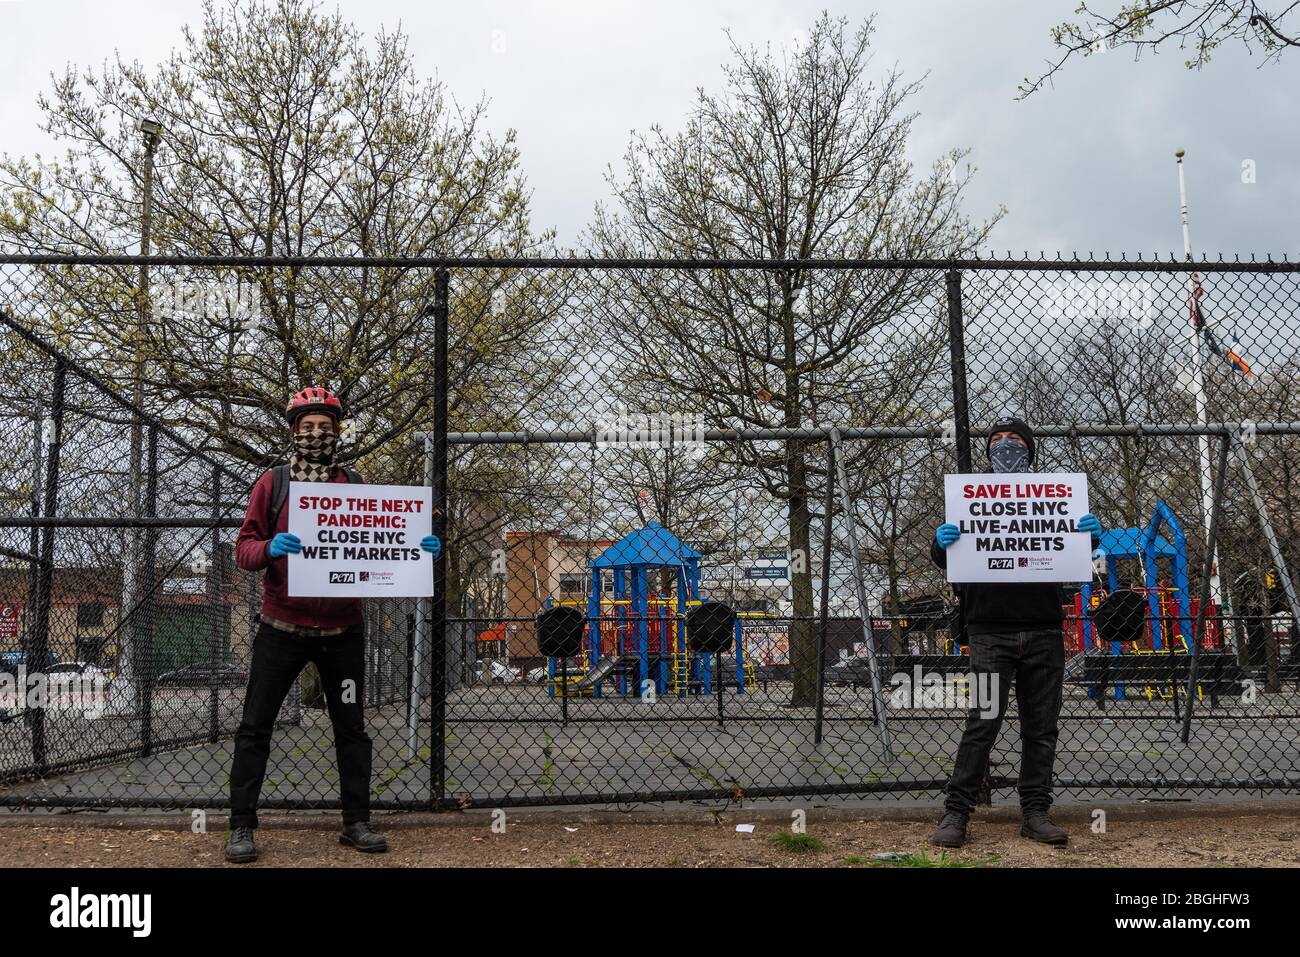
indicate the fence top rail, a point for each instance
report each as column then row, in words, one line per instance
column 601, row 437
column 991, row 262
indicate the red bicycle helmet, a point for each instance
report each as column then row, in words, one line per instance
column 313, row 399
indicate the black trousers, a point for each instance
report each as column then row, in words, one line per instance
column 278, row 659
column 1035, row 662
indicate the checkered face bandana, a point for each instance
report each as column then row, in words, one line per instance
column 312, row 458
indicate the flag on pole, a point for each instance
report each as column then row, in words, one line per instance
column 1200, row 322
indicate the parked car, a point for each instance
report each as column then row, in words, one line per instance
column 495, row 672
column 851, row 671
column 205, row 674
column 83, row 668
column 537, row 676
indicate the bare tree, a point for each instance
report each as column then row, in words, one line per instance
column 1200, row 26
column 284, row 133
column 803, row 156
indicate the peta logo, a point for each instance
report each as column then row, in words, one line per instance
column 1002, row 563
column 75, row 910
column 343, row 578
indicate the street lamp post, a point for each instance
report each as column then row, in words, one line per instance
column 123, row 696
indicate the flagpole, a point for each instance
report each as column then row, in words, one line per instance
column 1198, row 391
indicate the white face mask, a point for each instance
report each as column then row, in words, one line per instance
column 1008, row 455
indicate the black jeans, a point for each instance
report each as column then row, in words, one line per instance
column 1035, row 661
column 278, row 658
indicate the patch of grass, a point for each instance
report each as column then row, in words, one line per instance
column 701, row 774
column 857, row 860
column 797, row 843
column 923, row 859
column 548, row 766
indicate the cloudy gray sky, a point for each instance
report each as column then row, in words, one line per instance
column 1086, row 166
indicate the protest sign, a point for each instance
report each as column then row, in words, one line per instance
column 360, row 541
column 1019, row 527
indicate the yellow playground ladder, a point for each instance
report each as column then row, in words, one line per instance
column 681, row 672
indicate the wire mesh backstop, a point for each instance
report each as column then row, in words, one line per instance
column 634, row 440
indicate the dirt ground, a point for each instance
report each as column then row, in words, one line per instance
column 1223, row 838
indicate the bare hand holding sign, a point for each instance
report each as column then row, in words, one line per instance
column 1018, row 528
column 360, row 541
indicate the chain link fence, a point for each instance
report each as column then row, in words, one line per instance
column 629, row 442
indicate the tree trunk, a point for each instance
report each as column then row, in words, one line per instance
column 895, row 629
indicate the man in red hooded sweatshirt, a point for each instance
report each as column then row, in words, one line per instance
column 329, row 632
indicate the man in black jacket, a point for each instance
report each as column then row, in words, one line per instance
column 1014, row 631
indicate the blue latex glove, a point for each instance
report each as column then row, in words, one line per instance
column 946, row 534
column 283, row 544
column 432, row 544
column 1090, row 523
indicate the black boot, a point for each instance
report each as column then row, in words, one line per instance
column 240, row 848
column 360, row 836
column 1038, row 827
column 952, row 830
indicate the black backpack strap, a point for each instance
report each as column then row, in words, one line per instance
column 279, row 495
column 280, row 490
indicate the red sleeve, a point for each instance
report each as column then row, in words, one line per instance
column 251, row 542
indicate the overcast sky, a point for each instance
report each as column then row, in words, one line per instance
column 1086, row 166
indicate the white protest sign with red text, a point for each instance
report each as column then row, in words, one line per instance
column 360, row 541
column 1019, row 527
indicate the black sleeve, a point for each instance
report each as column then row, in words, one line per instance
column 938, row 555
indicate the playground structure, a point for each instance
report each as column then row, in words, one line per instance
column 636, row 635
column 1165, row 626
column 1171, row 610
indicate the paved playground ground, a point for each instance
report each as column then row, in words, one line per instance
column 509, row 746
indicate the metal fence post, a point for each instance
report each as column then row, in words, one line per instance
column 438, row 605
column 961, row 434
column 1271, row 682
column 957, row 358
column 39, row 657
column 215, row 606
column 1198, row 630
column 34, row 538
column 823, row 619
column 418, row 646
column 860, row 587
column 144, row 612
